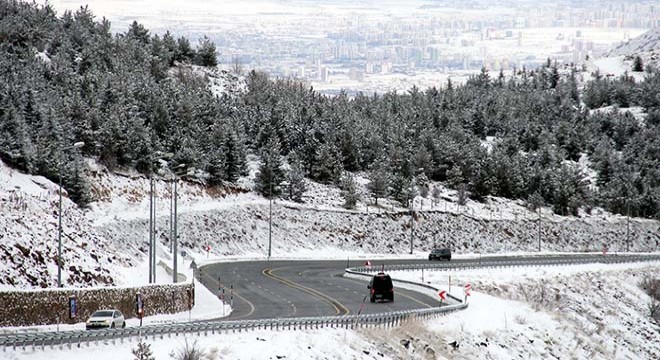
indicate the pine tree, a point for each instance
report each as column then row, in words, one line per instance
column 638, row 64
column 535, row 201
column 270, row 175
column 138, row 32
column 295, row 179
column 234, row 156
column 206, row 55
column 378, row 184
column 349, row 191
column 436, row 194
column 184, row 52
column 422, row 185
column 326, row 169
column 143, row 351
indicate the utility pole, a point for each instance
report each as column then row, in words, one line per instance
column 153, row 230
column 151, row 235
column 628, row 227
column 412, row 223
column 59, row 233
column 171, row 214
column 77, row 145
column 539, row 233
column 270, row 206
column 176, row 235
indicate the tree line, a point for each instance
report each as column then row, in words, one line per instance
column 129, row 99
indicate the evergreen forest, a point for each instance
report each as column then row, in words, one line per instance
column 133, row 96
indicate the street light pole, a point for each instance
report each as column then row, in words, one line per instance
column 270, row 207
column 171, row 213
column 153, row 230
column 628, row 227
column 151, row 236
column 539, row 232
column 174, row 236
column 59, row 232
column 175, row 239
column 59, row 214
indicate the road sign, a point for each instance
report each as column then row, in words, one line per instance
column 467, row 289
column 443, row 295
column 73, row 307
column 193, row 265
column 368, row 263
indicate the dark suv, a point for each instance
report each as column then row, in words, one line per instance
column 381, row 288
column 439, row 254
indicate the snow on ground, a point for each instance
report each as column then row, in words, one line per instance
column 616, row 66
column 102, row 242
column 29, row 233
column 305, row 344
column 583, row 311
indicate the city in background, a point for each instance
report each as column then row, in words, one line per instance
column 387, row 45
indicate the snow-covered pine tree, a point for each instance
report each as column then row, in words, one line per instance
column 327, row 168
column 270, row 174
column 234, row 156
column 143, row 351
column 349, row 191
column 378, row 184
column 295, row 178
column 206, row 53
column 638, row 64
column 436, row 194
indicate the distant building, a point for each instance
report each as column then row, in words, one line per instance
column 385, row 68
column 355, row 74
column 325, row 74
column 369, row 68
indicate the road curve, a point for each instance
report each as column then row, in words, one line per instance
column 282, row 288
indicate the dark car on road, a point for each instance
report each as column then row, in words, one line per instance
column 440, row 254
column 381, row 288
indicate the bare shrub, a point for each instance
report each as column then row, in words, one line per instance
column 189, row 351
column 652, row 288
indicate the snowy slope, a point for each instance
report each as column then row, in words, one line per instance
column 29, row 236
column 588, row 311
column 648, row 42
column 109, row 241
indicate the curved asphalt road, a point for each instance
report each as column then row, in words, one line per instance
column 276, row 289
column 279, row 289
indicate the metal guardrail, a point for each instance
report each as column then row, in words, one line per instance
column 49, row 340
column 485, row 263
column 77, row 338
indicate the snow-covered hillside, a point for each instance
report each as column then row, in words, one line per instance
column 577, row 312
column 29, row 237
column 101, row 242
column 647, row 46
column 648, row 43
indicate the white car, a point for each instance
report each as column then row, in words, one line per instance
column 101, row 319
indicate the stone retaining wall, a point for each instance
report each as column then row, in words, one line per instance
column 44, row 307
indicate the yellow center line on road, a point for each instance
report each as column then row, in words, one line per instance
column 338, row 306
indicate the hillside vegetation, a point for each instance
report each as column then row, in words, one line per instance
column 131, row 100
